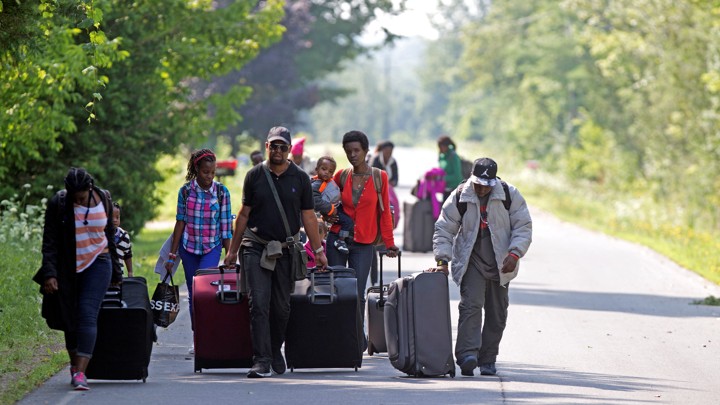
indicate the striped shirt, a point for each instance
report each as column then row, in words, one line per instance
column 123, row 245
column 207, row 220
column 90, row 240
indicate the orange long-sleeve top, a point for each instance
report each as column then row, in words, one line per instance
column 365, row 214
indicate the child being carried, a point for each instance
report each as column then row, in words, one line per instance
column 326, row 196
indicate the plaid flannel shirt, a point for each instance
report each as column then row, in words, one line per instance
column 207, row 220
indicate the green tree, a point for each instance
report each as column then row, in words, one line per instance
column 148, row 108
column 286, row 77
column 53, row 56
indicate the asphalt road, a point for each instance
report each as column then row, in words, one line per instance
column 593, row 320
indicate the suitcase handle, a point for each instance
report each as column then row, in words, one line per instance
column 113, row 298
column 227, row 298
column 381, row 301
column 314, row 295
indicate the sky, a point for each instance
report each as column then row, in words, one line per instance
column 412, row 23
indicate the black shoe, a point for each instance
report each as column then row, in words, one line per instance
column 259, row 370
column 278, row 363
column 488, row 369
column 467, row 366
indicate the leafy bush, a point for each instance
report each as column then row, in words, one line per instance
column 29, row 351
column 20, row 221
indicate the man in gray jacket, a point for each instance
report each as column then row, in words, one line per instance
column 484, row 229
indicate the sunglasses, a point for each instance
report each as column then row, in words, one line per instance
column 279, row 146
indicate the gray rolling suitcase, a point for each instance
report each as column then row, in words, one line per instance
column 418, row 225
column 376, row 297
column 417, row 325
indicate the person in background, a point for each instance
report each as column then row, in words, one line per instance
column 79, row 263
column 203, row 222
column 256, row 157
column 260, row 229
column 122, row 241
column 383, row 160
column 322, row 231
column 326, row 197
column 449, row 161
column 484, row 239
column 360, row 202
column 299, row 158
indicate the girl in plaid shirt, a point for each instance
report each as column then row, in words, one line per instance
column 203, row 221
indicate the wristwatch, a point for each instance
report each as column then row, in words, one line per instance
column 442, row 262
column 318, row 250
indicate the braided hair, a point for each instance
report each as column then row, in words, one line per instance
column 78, row 179
column 202, row 155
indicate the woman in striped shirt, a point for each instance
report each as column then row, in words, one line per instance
column 203, row 220
column 79, row 263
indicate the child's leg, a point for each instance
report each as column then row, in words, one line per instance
column 346, row 224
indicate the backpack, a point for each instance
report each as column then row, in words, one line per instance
column 377, row 182
column 462, row 206
column 220, row 192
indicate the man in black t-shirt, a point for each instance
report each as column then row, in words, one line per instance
column 270, row 280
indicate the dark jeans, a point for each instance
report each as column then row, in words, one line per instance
column 269, row 295
column 359, row 259
column 192, row 263
column 347, row 226
column 92, row 284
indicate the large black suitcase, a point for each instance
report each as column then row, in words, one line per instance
column 418, row 225
column 376, row 297
column 325, row 325
column 417, row 325
column 124, row 335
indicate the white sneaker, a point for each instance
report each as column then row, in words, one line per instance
column 192, row 349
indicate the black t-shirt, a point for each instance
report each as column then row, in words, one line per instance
column 295, row 192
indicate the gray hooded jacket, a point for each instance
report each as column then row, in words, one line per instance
column 510, row 230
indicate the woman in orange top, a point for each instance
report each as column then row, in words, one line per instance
column 360, row 202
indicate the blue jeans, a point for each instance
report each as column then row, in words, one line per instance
column 269, row 292
column 192, row 263
column 92, row 284
column 359, row 259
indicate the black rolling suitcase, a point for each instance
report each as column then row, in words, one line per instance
column 418, row 225
column 325, row 326
column 124, row 335
column 376, row 297
column 417, row 325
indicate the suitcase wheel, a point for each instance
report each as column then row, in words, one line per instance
column 356, row 369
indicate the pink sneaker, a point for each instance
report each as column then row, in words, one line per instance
column 73, row 370
column 80, row 382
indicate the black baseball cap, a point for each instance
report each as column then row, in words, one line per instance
column 484, row 172
column 279, row 134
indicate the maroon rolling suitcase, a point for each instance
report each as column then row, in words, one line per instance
column 222, row 319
